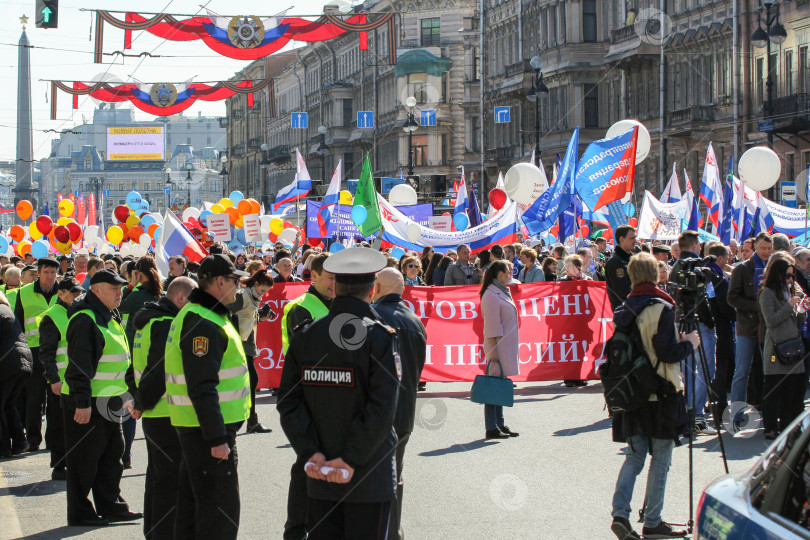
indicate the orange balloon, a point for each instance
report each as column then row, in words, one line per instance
column 23, row 248
column 240, row 224
column 255, row 207
column 152, row 228
column 17, row 232
column 25, row 209
column 135, row 233
column 233, row 214
column 244, row 207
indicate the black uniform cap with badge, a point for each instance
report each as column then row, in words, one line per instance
column 218, row 265
column 355, row 266
column 107, row 276
column 70, row 284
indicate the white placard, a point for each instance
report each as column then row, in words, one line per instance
column 253, row 227
column 220, row 227
column 441, row 223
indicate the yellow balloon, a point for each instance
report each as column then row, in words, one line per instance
column 132, row 221
column 65, row 207
column 225, row 203
column 33, row 231
column 217, row 208
column 64, row 248
column 63, row 221
column 276, row 225
column 115, row 234
column 346, row 197
column 240, row 223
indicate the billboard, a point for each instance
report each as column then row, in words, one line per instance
column 135, row 143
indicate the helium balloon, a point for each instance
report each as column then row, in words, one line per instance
column 337, row 246
column 121, row 213
column 446, row 214
column 255, row 207
column 44, row 224
column 145, row 241
column 359, row 215
column 759, row 168
column 461, row 221
column 288, row 235
column 643, row 141
column 63, row 221
column 276, row 225
column 629, row 209
column 135, row 233
column 3, row 244
column 39, row 249
column 157, row 233
column 236, row 196
column 25, row 209
column 397, row 253
column 147, row 219
column 131, row 221
column 608, row 234
column 497, row 198
column 62, row 234
column 124, row 251
column 217, row 208
column 233, row 214
column 115, row 235
column 402, row 195
column 33, row 232
column 240, row 234
column 75, row 231
column 23, row 248
column 225, row 203
column 91, row 233
column 583, row 231
column 239, row 222
column 244, row 207
column 633, row 222
column 152, row 228
column 134, row 200
column 345, row 197
column 204, row 217
column 413, row 232
column 525, row 182
column 17, row 233
column 65, row 207
column 191, row 212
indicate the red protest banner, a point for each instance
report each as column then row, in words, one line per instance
column 563, row 327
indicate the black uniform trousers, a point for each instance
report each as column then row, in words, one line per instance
column 207, row 489
column 12, row 433
column 55, row 430
column 162, row 470
column 254, row 381
column 35, row 392
column 335, row 520
column 94, row 453
column 296, row 526
column 395, row 524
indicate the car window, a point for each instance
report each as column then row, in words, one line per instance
column 797, row 499
column 768, row 467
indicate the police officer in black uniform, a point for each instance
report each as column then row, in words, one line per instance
column 337, row 401
column 618, row 280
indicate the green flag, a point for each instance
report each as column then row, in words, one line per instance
column 366, row 196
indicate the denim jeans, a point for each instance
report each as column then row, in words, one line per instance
column 742, row 367
column 693, row 370
column 493, row 416
column 638, row 448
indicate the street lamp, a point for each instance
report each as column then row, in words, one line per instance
column 323, row 150
column 167, row 189
column 97, row 185
column 223, row 173
column 410, row 126
column 537, row 90
column 188, row 184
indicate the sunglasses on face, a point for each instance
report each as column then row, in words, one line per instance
column 412, row 266
column 235, row 279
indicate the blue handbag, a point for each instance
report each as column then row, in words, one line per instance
column 491, row 390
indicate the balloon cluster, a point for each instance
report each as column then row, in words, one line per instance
column 43, row 235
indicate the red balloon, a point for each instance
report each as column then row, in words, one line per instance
column 497, row 198
column 633, row 222
column 608, row 234
column 62, row 234
column 315, row 242
column 75, row 231
column 554, row 230
column 583, row 231
column 44, row 224
column 446, row 214
column 121, row 213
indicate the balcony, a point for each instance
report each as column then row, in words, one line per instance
column 518, row 68
column 623, row 34
column 237, row 150
column 792, row 113
column 626, row 47
column 279, row 154
column 254, row 143
column 691, row 116
column 237, row 114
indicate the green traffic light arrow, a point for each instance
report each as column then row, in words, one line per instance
column 47, row 13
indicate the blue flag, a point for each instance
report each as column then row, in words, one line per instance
column 746, row 225
column 45, row 212
column 694, row 216
column 473, row 212
column 543, row 213
column 757, row 227
column 724, row 231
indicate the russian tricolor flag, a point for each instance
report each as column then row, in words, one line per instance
column 299, row 187
column 330, row 200
column 461, row 198
column 711, row 189
column 175, row 239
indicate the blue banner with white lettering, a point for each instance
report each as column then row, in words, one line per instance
column 342, row 215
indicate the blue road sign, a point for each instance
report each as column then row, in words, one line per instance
column 765, row 126
column 300, row 120
column 428, row 118
column 501, row 115
column 106, row 193
column 167, row 190
column 365, row 119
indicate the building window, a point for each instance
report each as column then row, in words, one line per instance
column 760, row 78
column 122, row 186
column 134, row 186
column 348, row 112
column 591, row 105
column 476, row 134
column 804, row 83
column 420, row 150
column 476, row 69
column 417, row 87
column 348, row 163
column 431, row 31
column 147, row 186
column 589, row 21
column 789, row 84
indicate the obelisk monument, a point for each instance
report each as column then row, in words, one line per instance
column 25, row 139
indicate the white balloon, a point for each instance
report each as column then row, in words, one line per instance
column 402, row 195
column 158, row 217
column 759, row 168
column 265, row 221
column 267, row 246
column 90, row 233
column 288, row 235
column 82, row 251
column 525, row 182
column 413, row 232
column 105, row 250
column 191, row 212
column 642, row 143
column 265, row 232
column 145, row 240
column 100, row 242
column 125, row 250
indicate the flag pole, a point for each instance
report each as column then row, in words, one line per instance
column 806, row 201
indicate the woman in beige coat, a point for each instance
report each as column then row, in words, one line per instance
column 500, row 339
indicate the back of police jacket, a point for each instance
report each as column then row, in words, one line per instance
column 338, row 395
column 15, row 358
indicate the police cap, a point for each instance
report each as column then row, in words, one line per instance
column 355, row 265
column 69, row 283
column 218, row 265
column 107, row 276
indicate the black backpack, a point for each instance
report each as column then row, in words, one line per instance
column 628, row 376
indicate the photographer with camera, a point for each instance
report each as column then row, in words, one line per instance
column 688, row 260
column 655, row 426
column 724, row 317
column 245, row 314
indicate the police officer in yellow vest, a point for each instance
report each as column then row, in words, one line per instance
column 312, row 305
column 52, row 325
column 95, row 398
column 208, row 392
column 31, row 300
column 151, row 326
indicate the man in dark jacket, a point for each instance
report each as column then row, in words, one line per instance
column 412, row 350
column 618, row 282
column 742, row 295
column 689, row 245
column 93, row 404
column 337, row 402
column 14, row 370
column 653, row 428
column 723, row 315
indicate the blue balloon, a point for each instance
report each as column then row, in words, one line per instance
column 359, row 215
column 144, row 206
column 630, row 209
column 147, row 220
column 39, row 249
column 240, row 236
column 234, row 244
column 337, row 246
column 236, row 196
column 134, row 200
column 204, row 216
column 397, row 252
column 461, row 221
column 157, row 233
column 3, row 245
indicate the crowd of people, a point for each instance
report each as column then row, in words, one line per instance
column 95, row 345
